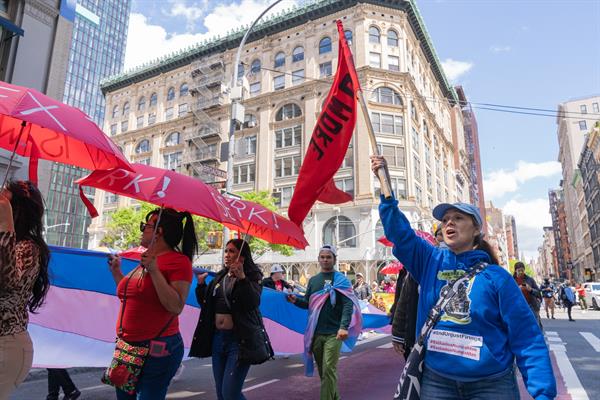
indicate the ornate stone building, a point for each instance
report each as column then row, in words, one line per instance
column 174, row 113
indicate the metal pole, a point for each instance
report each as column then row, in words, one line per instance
column 234, row 102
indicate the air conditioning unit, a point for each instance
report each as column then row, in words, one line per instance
column 250, row 124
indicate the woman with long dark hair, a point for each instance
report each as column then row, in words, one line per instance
column 24, row 281
column 470, row 342
column 153, row 295
column 230, row 320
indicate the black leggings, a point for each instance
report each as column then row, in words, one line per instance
column 59, row 378
column 569, row 305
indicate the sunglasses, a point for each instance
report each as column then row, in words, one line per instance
column 143, row 226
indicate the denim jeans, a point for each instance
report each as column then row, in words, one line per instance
column 504, row 387
column 157, row 372
column 228, row 372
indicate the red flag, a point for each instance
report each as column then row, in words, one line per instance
column 330, row 139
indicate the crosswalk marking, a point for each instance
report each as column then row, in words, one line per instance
column 551, row 333
column 377, row 336
column 260, row 385
column 183, row 394
column 567, row 371
column 592, row 340
column 386, row 346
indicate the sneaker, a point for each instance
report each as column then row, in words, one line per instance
column 553, row 317
column 572, row 320
column 73, row 395
column 179, row 372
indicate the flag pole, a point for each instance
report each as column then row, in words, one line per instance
column 382, row 173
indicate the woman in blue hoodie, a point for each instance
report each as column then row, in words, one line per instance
column 472, row 349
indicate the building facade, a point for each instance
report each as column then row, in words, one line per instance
column 497, row 232
column 546, row 265
column 575, row 119
column 560, row 233
column 97, row 51
column 175, row 114
column 512, row 246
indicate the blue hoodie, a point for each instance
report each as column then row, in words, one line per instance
column 485, row 326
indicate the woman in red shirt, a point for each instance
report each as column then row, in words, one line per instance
column 155, row 294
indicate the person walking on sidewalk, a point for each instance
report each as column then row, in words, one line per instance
column 59, row 378
column 547, row 290
column 470, row 340
column 567, row 296
column 530, row 290
column 332, row 308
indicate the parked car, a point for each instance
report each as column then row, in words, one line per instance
column 592, row 294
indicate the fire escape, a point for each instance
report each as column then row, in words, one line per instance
column 202, row 155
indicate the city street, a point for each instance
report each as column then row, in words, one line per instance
column 370, row 372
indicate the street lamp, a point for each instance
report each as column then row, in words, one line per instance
column 237, row 109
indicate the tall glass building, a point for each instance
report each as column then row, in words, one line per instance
column 97, row 51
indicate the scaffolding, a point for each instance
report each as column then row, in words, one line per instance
column 202, row 155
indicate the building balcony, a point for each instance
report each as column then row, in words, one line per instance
column 209, row 101
column 201, row 156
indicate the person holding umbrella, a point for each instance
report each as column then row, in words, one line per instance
column 153, row 295
column 24, row 281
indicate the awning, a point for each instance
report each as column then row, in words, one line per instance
column 8, row 25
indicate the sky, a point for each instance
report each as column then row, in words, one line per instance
column 525, row 53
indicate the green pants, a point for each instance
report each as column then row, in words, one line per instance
column 326, row 349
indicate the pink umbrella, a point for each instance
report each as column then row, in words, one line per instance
column 424, row 235
column 37, row 126
column 163, row 188
column 392, row 268
column 134, row 253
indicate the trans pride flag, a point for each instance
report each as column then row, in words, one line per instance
column 76, row 325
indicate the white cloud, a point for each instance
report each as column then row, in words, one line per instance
column 500, row 49
column 530, row 216
column 454, row 69
column 179, row 8
column 498, row 183
column 146, row 41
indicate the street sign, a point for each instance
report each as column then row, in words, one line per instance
column 208, row 170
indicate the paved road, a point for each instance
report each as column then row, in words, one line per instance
column 370, row 372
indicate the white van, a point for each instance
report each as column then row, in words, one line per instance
column 592, row 294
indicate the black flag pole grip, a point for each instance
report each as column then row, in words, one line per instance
column 382, row 173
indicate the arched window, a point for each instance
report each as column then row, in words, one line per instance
column 115, row 111
column 386, row 95
column 340, row 232
column 173, row 139
column 298, row 54
column 325, row 45
column 142, row 147
column 126, row 108
column 392, row 38
column 170, row 94
column 255, row 66
column 280, row 59
column 348, row 36
column 141, row 103
column 153, row 100
column 374, row 35
column 184, row 90
column 288, row 111
column 240, row 73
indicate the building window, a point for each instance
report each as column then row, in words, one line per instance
column 141, row 104
column 173, row 139
column 392, row 38
column 339, row 231
column 345, row 185
column 250, row 121
column 374, row 35
column 126, row 108
column 582, row 125
column 583, row 109
column 325, row 45
column 279, row 59
column 151, row 118
column 415, row 139
column 113, row 129
column 429, row 179
column 246, row 146
column 183, row 109
column 413, row 110
column 255, row 88
column 115, row 111
column 124, row 126
column 144, row 161
column 416, row 167
column 255, row 66
column 169, row 113
column 398, row 186
column 172, row 161
column 153, row 100
column 325, row 69
column 348, row 36
column 287, row 166
column 283, row 196
column 394, row 155
column 348, row 158
column 595, row 107
column 170, row 94
column 387, row 124
column 386, row 95
column 288, row 137
column 279, row 82
column 140, row 122
column 298, row 54
column 393, row 63
column 418, row 195
column 184, row 90
column 110, row 198
column 288, row 111
column 244, row 173
column 375, row 60
column 142, row 147
column 240, row 72
column 297, row 76
column 427, row 154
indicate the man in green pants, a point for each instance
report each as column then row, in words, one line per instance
column 332, row 325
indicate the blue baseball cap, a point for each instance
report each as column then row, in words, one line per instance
column 441, row 209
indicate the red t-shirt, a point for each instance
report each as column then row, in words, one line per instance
column 144, row 315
